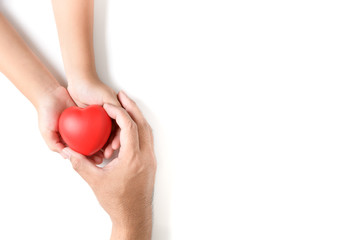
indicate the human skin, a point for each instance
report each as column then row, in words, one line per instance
column 19, row 64
column 125, row 186
column 74, row 21
column 24, row 69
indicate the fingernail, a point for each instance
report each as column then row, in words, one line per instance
column 65, row 153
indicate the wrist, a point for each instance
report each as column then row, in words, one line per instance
column 138, row 232
column 50, row 96
column 132, row 225
column 47, row 92
column 82, row 76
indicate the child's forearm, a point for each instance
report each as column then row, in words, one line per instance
column 74, row 21
column 19, row 64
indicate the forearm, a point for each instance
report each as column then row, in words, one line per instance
column 22, row 67
column 133, row 226
column 74, row 21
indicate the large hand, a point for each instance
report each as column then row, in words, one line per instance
column 125, row 186
column 92, row 91
column 49, row 111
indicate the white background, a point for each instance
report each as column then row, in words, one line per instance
column 254, row 106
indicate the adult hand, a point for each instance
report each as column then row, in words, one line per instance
column 125, row 186
column 49, row 110
column 89, row 90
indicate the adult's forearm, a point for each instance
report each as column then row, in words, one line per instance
column 24, row 69
column 74, row 21
column 142, row 232
column 135, row 225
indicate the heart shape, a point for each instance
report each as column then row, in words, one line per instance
column 85, row 130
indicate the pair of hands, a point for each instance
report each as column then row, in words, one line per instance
column 124, row 187
column 82, row 93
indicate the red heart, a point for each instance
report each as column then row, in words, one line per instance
column 85, row 130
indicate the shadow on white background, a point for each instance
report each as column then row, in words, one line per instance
column 254, row 107
column 162, row 195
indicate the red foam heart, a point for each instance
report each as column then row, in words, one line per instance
column 85, row 130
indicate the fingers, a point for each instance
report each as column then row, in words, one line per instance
column 111, row 97
column 86, row 169
column 116, row 141
column 145, row 131
column 52, row 139
column 129, row 137
column 113, row 143
column 108, row 150
column 97, row 157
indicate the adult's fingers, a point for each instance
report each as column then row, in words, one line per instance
column 86, row 169
column 116, row 141
column 145, row 131
column 129, row 137
column 113, row 143
column 108, row 149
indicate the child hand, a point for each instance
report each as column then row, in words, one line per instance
column 92, row 91
column 49, row 111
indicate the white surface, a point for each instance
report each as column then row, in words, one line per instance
column 255, row 109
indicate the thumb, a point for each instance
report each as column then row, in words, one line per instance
column 111, row 97
column 82, row 165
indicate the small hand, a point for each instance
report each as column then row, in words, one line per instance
column 125, row 186
column 92, row 91
column 49, row 111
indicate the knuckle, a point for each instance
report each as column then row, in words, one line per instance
column 137, row 166
column 146, row 129
column 143, row 124
column 128, row 123
column 132, row 125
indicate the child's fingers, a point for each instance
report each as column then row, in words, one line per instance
column 108, row 151
column 52, row 139
column 97, row 157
